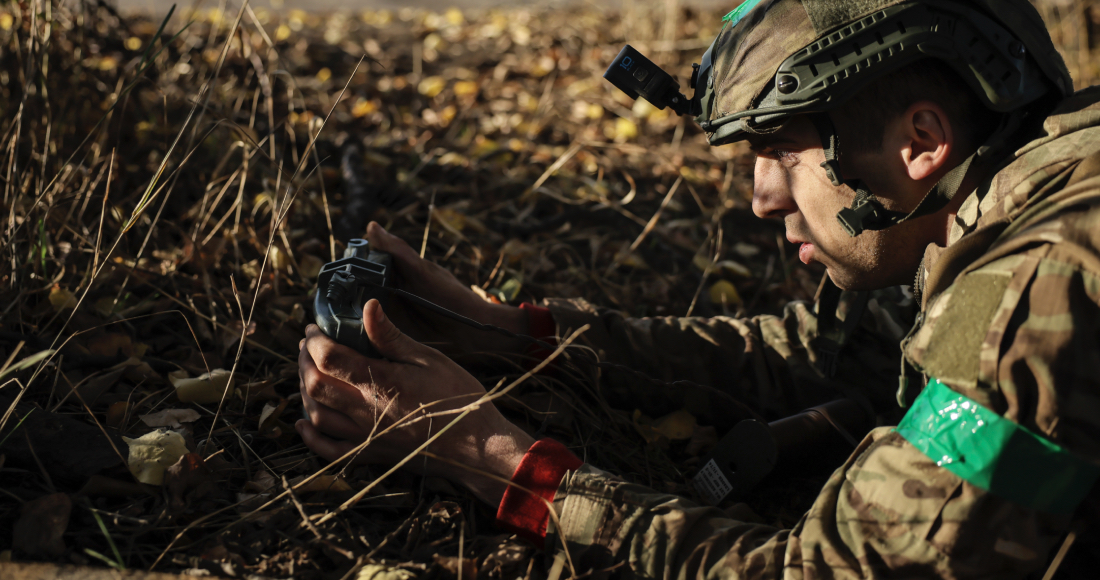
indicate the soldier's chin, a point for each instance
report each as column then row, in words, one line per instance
column 847, row 279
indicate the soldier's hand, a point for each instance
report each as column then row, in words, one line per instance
column 435, row 284
column 348, row 396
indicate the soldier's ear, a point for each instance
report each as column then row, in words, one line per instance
column 925, row 141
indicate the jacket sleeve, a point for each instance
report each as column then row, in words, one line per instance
column 1018, row 335
column 769, row 363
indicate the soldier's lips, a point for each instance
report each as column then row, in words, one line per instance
column 805, row 249
column 806, row 253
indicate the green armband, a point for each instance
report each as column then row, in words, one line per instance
column 995, row 453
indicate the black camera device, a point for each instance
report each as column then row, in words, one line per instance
column 637, row 76
column 344, row 287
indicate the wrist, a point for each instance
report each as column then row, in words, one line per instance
column 497, row 455
column 511, row 318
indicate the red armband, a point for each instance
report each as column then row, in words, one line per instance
column 541, row 325
column 540, row 471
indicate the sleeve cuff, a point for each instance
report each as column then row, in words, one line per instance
column 541, row 325
column 540, row 319
column 540, row 471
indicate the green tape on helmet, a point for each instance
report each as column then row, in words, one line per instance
column 738, row 13
column 994, row 453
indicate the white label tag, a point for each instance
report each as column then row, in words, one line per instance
column 711, row 484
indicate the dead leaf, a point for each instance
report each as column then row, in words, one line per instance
column 676, row 426
column 206, row 388
column 452, row 566
column 383, row 572
column 152, row 453
column 189, row 480
column 42, row 523
column 111, row 344
column 723, row 292
column 270, row 425
column 61, row 298
column 170, row 418
column 323, row 483
column 261, row 482
column 116, row 414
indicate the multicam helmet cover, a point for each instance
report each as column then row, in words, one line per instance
column 777, row 58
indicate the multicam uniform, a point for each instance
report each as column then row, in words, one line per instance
column 1010, row 317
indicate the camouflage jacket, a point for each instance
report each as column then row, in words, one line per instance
column 1010, row 317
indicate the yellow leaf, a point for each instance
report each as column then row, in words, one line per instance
column 484, row 146
column 676, row 426
column 153, row 453
column 724, row 292
column 431, row 86
column 324, row 74
column 466, row 88
column 363, row 108
column 133, row 43
column 622, row 129
column 454, row 17
column 107, row 63
column 61, row 298
column 449, row 219
column 447, row 115
column 282, row 33
column 206, row 388
column 692, row 175
column 701, row 262
column 277, row 258
column 6, row 21
column 452, row 158
column 735, row 268
column 516, row 251
column 642, row 108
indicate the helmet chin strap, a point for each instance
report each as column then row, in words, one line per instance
column 867, row 212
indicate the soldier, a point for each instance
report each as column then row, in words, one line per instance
column 931, row 139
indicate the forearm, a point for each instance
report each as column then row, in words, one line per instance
column 888, row 512
column 769, row 363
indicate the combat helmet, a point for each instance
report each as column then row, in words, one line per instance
column 778, row 58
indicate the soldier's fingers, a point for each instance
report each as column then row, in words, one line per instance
column 332, row 422
column 340, row 362
column 402, row 252
column 331, row 391
column 327, row 447
column 389, row 340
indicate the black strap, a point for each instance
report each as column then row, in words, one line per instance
column 832, row 334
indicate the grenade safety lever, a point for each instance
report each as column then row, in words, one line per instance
column 344, row 287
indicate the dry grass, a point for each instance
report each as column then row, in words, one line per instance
column 168, row 196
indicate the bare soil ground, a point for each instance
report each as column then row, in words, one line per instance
column 169, row 195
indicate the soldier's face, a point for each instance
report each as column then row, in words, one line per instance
column 791, row 185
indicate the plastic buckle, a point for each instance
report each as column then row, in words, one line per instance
column 857, row 218
column 832, row 169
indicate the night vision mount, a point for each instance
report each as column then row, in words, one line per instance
column 634, row 74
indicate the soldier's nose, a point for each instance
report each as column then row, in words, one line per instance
column 771, row 196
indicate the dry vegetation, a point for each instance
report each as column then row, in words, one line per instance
column 170, row 194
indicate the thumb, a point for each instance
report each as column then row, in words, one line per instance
column 382, row 240
column 386, row 337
